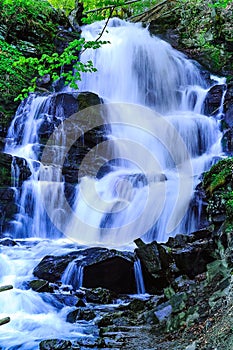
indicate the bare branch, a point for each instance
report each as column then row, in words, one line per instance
column 111, row 6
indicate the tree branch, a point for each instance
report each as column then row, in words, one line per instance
column 151, row 11
column 111, row 6
column 104, row 27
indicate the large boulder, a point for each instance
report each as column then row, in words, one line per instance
column 182, row 255
column 213, row 99
column 102, row 267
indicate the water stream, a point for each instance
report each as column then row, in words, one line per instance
column 161, row 144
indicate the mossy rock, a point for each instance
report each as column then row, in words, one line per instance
column 218, row 185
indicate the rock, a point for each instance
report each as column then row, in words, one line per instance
column 99, row 295
column 137, row 305
column 55, row 344
column 8, row 208
column 117, row 318
column 115, row 273
column 104, row 268
column 163, row 313
column 20, row 166
column 51, row 268
column 81, row 314
column 44, row 82
column 60, row 300
column 155, row 262
column 8, row 242
column 213, row 100
column 40, row 286
column 193, row 258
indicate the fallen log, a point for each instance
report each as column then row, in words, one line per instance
column 4, row 288
column 4, row 320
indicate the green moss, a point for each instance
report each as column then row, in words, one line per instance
column 218, row 185
column 219, row 175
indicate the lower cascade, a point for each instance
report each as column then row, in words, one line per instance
column 126, row 167
column 139, row 277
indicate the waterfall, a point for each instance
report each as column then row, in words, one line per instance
column 160, row 144
column 139, row 277
column 73, row 275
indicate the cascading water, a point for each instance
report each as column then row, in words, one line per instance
column 139, row 277
column 160, row 156
column 73, row 275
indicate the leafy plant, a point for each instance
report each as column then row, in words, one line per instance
column 12, row 77
column 54, row 64
column 220, row 3
column 34, row 19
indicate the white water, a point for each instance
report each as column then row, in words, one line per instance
column 139, row 277
column 34, row 316
column 148, row 193
column 73, row 275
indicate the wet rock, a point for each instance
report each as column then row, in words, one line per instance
column 55, row 344
column 137, row 305
column 51, row 268
column 60, row 300
column 163, row 313
column 44, row 82
column 117, row 318
column 9, row 162
column 8, row 242
column 99, row 295
column 213, row 100
column 8, row 208
column 81, row 314
column 155, row 262
column 40, row 286
column 110, row 269
column 192, row 258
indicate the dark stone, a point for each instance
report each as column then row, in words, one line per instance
column 105, row 268
column 163, row 313
column 228, row 120
column 55, row 344
column 193, row 258
column 80, row 314
column 155, row 261
column 63, row 38
column 7, row 162
column 8, row 242
column 213, row 100
column 40, row 286
column 60, row 300
column 51, row 268
column 116, row 274
column 44, row 81
column 99, row 295
column 137, row 305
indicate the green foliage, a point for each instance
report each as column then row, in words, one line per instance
column 65, row 5
column 206, row 31
column 220, row 174
column 121, row 8
column 220, row 3
column 218, row 184
column 12, row 77
column 22, row 19
column 54, row 64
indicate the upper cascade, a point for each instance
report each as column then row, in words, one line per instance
column 159, row 141
column 136, row 67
